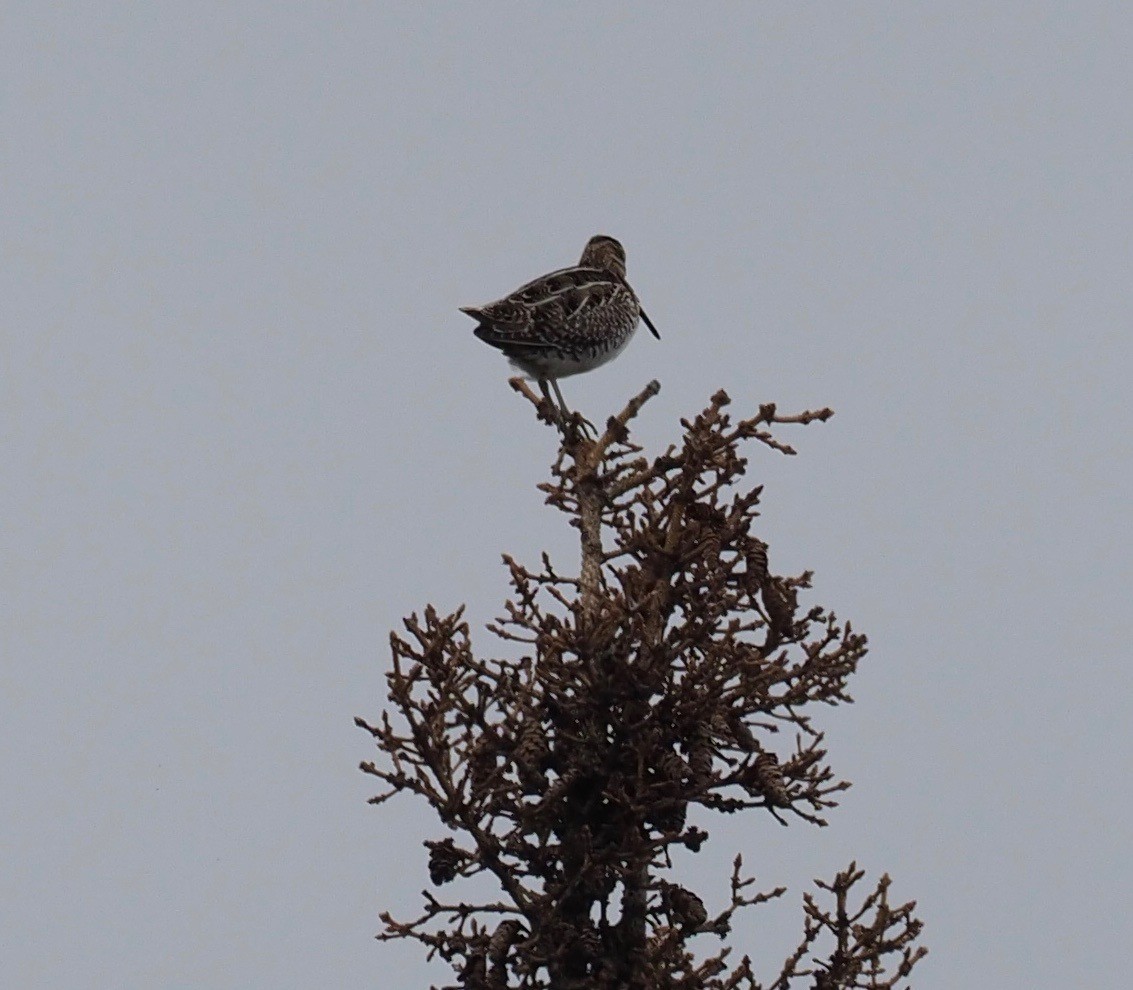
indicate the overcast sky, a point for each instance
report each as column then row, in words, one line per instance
column 245, row 430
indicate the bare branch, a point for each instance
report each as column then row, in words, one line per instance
column 658, row 679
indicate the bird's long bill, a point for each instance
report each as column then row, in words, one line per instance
column 649, row 323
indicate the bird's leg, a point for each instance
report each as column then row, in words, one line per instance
column 554, row 411
column 568, row 416
column 563, row 410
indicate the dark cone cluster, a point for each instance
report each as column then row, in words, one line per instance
column 674, row 672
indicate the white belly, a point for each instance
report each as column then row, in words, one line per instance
column 557, row 364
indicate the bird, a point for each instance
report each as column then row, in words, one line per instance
column 566, row 322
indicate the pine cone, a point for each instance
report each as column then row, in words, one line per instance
column 729, row 728
column 445, row 861
column 780, row 602
column 694, row 838
column 756, row 562
column 741, row 733
column 531, row 755
column 670, row 817
column 672, row 768
column 482, row 766
column 507, row 933
column 684, row 907
column 700, row 763
column 769, row 779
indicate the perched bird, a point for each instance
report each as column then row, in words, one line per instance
column 566, row 322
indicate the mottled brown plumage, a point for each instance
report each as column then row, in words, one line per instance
column 567, row 321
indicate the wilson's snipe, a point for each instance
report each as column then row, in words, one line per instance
column 568, row 321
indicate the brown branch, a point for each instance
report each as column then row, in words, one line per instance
column 652, row 683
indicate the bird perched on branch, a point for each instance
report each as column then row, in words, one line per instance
column 566, row 322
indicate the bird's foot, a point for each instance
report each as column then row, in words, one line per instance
column 578, row 425
column 549, row 412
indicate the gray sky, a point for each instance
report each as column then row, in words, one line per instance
column 246, row 430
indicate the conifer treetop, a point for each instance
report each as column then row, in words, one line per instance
column 674, row 672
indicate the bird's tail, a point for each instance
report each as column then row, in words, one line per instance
column 483, row 328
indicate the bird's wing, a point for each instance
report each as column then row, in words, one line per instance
column 571, row 306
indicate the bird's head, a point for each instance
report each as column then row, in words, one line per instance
column 605, row 253
column 608, row 255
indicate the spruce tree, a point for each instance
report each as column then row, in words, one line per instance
column 674, row 670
